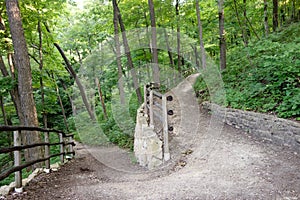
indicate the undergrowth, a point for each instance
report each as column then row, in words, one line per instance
column 265, row 76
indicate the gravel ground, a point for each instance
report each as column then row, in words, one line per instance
column 209, row 161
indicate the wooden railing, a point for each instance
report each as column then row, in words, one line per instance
column 66, row 144
column 157, row 112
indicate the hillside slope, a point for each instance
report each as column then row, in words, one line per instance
column 265, row 76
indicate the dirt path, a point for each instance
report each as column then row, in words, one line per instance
column 206, row 164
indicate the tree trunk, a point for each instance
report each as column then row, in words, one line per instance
column 41, row 65
column 145, row 56
column 194, row 47
column 240, row 23
column 178, row 35
column 70, row 99
column 293, row 12
column 118, row 54
column 266, row 23
column 13, row 93
column 79, row 84
column 156, row 75
column 203, row 56
column 253, row 30
column 128, row 55
column 246, row 29
column 169, row 49
column 24, row 79
column 101, row 98
column 275, row 15
column 72, row 72
column 222, row 35
column 147, row 34
column 3, row 111
column 62, row 107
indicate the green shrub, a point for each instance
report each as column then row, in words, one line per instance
column 265, row 76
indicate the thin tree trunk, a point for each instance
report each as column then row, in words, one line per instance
column 293, row 13
column 118, row 54
column 147, row 34
column 169, row 49
column 275, row 15
column 253, row 30
column 266, row 23
column 11, row 63
column 128, row 55
column 196, row 55
column 70, row 99
column 24, row 79
column 41, row 65
column 72, row 72
column 145, row 56
column 156, row 76
column 60, row 100
column 178, row 35
column 203, row 55
column 247, row 34
column 79, row 84
column 14, row 92
column 222, row 35
column 3, row 111
column 101, row 98
column 62, row 107
column 240, row 24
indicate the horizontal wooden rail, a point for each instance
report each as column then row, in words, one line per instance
column 19, row 148
column 28, row 128
column 65, row 143
column 158, row 105
column 23, row 166
column 158, row 116
column 157, row 94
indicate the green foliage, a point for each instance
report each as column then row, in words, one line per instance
column 117, row 133
column 264, row 77
column 11, row 177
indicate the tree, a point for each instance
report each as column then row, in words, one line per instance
column 101, row 98
column 154, row 43
column 178, row 35
column 118, row 53
column 266, row 23
column 200, row 36
column 222, row 35
column 244, row 34
column 129, row 58
column 14, row 91
column 78, row 82
column 275, row 15
column 41, row 66
column 24, row 77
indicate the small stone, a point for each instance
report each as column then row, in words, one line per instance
column 297, row 137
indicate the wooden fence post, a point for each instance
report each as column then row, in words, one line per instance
column 17, row 162
column 145, row 100
column 71, row 146
column 47, row 152
column 151, row 108
column 62, row 148
column 165, row 129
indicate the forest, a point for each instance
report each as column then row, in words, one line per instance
column 254, row 45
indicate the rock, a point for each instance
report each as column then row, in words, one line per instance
column 297, row 137
column 4, row 190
